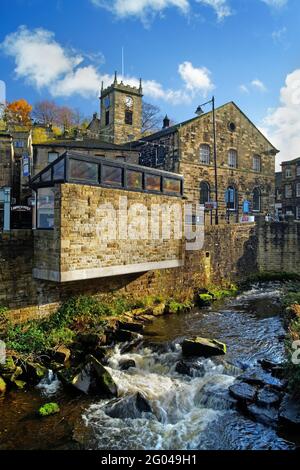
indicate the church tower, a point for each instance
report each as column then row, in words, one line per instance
column 121, row 112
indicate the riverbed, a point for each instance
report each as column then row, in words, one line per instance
column 188, row 412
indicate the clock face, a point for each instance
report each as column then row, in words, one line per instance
column 107, row 102
column 128, row 101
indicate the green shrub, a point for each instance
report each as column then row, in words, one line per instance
column 27, row 338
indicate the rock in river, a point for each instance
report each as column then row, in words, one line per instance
column 92, row 377
column 125, row 364
column 268, row 416
column 132, row 406
column 203, row 347
column 243, row 392
column 268, row 397
column 289, row 411
column 2, row 387
column 257, row 376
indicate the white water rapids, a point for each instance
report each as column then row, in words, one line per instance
column 193, row 412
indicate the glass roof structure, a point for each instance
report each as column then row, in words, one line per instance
column 77, row 168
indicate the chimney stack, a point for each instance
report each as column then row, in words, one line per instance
column 166, row 122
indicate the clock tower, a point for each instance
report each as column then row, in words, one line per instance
column 121, row 112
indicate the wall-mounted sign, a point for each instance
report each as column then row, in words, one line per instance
column 246, row 207
column 21, row 209
column 210, row 205
column 247, row 219
column 26, row 165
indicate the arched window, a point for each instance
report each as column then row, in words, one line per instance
column 232, row 158
column 256, row 200
column 204, row 192
column 231, row 198
column 205, row 154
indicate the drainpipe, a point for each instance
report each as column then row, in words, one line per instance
column 6, row 224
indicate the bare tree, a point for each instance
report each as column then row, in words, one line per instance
column 151, row 118
column 46, row 112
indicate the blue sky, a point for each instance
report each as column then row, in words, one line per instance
column 184, row 50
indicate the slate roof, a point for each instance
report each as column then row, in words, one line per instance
column 84, row 144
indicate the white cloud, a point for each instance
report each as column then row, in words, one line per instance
column 38, row 57
column 244, row 89
column 255, row 85
column 221, row 7
column 275, row 3
column 140, row 8
column 44, row 63
column 259, row 85
column 282, row 124
column 144, row 9
column 196, row 79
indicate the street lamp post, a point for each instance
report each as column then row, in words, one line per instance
column 199, row 111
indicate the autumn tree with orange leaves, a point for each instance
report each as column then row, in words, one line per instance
column 18, row 112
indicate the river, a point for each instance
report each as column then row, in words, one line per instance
column 188, row 412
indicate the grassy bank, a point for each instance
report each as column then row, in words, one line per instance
column 86, row 314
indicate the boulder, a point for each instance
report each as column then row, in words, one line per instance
column 8, row 367
column 159, row 310
column 2, row 387
column 123, row 336
column 91, row 339
column 183, row 368
column 125, row 364
column 243, row 392
column 62, row 355
column 268, row 397
column 203, row 347
column 33, row 371
column 92, row 377
column 131, row 326
column 267, row 416
column 257, row 376
column 276, row 369
column 289, row 411
column 132, row 406
column 193, row 369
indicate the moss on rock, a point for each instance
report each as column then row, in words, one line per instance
column 49, row 409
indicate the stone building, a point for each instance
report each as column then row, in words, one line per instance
column 290, row 188
column 245, row 161
column 22, row 143
column 47, row 152
column 121, row 112
column 6, row 172
column 278, row 194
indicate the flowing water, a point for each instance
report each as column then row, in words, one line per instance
column 188, row 412
column 194, row 412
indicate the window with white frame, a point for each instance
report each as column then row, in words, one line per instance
column 298, row 190
column 52, row 156
column 298, row 212
column 205, row 154
column 232, row 158
column 288, row 172
column 256, row 163
column 288, row 190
